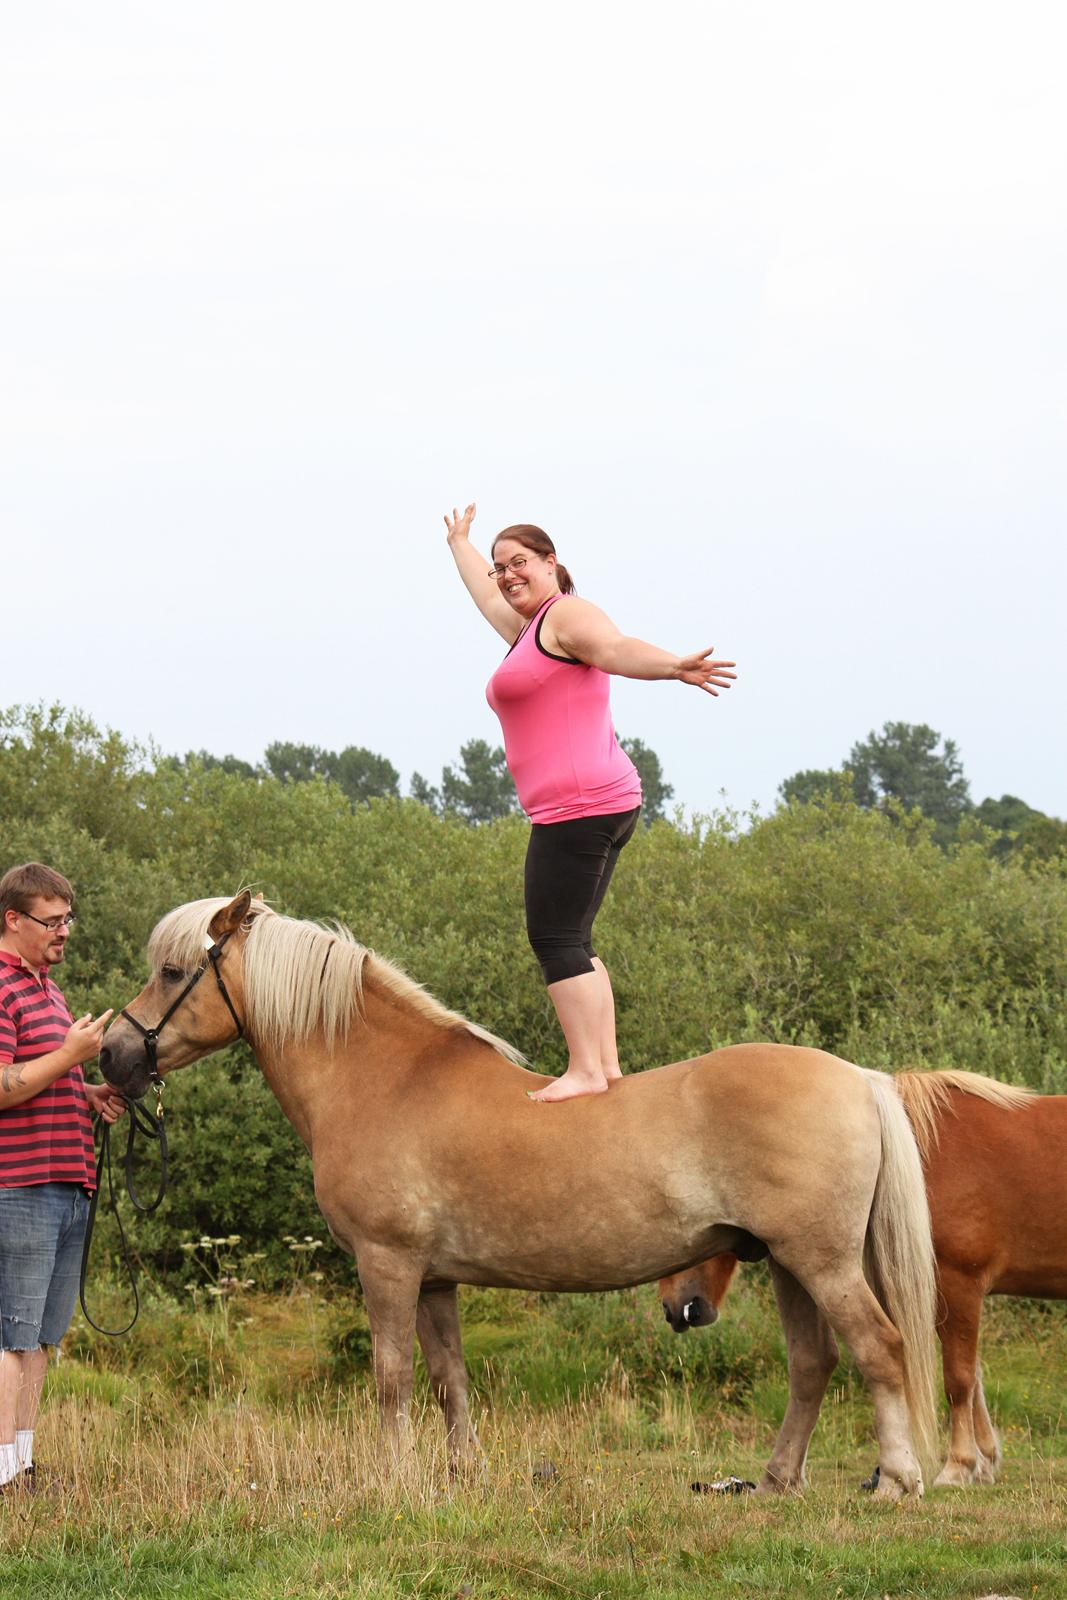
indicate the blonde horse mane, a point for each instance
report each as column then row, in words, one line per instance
column 927, row 1096
column 300, row 976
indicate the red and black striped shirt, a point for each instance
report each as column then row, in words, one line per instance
column 49, row 1138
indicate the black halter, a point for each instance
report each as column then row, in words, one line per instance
column 151, row 1128
column 151, row 1035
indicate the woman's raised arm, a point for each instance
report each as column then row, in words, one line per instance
column 583, row 631
column 473, row 569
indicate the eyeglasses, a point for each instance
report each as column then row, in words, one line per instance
column 51, row 923
column 516, row 564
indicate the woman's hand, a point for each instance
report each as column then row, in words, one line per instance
column 704, row 674
column 473, row 568
column 459, row 527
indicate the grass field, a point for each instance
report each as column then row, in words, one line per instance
column 232, row 1451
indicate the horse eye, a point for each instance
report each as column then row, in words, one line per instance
column 172, row 974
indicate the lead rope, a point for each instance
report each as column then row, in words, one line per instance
column 150, row 1127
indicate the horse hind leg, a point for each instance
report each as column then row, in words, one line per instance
column 986, row 1436
column 437, row 1325
column 852, row 1310
column 958, row 1330
column 813, row 1354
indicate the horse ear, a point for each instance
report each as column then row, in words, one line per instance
column 230, row 918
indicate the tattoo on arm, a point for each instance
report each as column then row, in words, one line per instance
column 11, row 1077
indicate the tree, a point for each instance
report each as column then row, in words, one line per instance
column 294, row 763
column 482, row 788
column 1021, row 827
column 815, row 781
column 363, row 775
column 210, row 763
column 424, row 792
column 903, row 763
column 655, row 791
column 360, row 773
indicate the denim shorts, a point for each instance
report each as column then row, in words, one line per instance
column 42, row 1226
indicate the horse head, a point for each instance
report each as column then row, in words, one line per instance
column 177, row 1018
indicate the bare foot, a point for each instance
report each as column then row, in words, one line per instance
column 572, row 1084
column 613, row 1072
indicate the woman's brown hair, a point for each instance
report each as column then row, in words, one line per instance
column 537, row 540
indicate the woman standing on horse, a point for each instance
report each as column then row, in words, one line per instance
column 577, row 785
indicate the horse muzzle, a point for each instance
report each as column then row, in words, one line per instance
column 126, row 1067
column 695, row 1313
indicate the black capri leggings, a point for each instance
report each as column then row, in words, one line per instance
column 568, row 869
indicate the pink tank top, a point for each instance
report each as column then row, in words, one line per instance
column 558, row 734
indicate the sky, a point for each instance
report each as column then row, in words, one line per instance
column 757, row 309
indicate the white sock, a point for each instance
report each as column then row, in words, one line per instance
column 9, row 1463
column 24, row 1448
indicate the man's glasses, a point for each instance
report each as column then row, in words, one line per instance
column 51, row 923
column 516, row 564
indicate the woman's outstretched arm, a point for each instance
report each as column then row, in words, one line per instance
column 473, row 569
column 583, row 631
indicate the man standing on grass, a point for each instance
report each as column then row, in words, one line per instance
column 46, row 1149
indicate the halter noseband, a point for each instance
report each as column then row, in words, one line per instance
column 151, row 1035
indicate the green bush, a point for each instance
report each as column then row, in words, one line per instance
column 820, row 924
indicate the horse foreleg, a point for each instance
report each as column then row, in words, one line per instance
column 958, row 1330
column 437, row 1325
column 391, row 1283
column 812, row 1358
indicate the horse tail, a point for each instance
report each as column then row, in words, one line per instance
column 899, row 1260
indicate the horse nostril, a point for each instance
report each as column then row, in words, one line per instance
column 105, row 1059
column 666, row 1311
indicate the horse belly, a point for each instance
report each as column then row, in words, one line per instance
column 559, row 1256
column 566, row 1274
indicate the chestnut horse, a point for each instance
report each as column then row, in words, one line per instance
column 433, row 1168
column 996, row 1177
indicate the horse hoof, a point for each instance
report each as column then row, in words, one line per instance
column 892, row 1489
column 954, row 1477
column 871, row 1483
column 889, row 1490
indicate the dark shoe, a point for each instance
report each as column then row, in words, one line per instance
column 40, row 1478
column 725, row 1486
column 36, row 1479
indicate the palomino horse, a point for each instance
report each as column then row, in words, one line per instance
column 432, row 1167
column 996, row 1180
